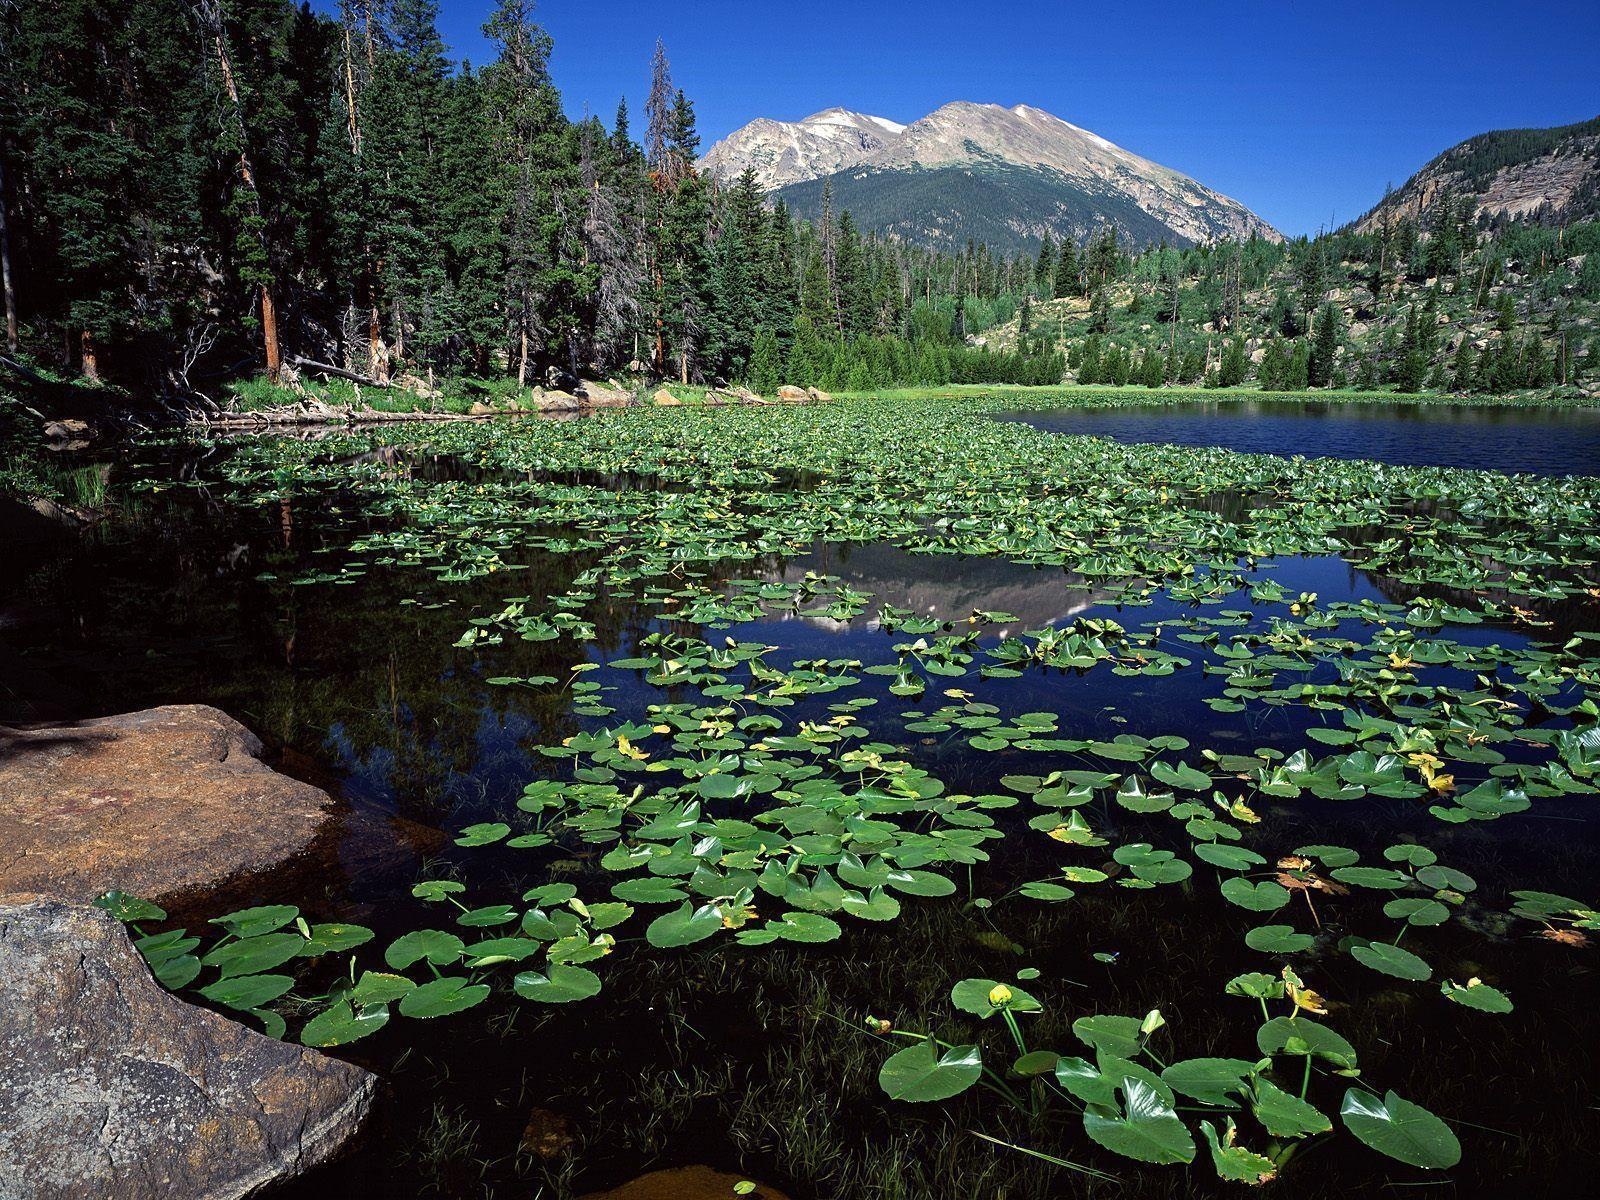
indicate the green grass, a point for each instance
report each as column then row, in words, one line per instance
column 458, row 396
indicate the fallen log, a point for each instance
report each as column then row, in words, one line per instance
column 27, row 373
column 307, row 364
column 268, row 418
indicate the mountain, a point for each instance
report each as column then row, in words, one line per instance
column 784, row 152
column 1004, row 176
column 1552, row 174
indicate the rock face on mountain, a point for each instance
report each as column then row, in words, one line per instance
column 784, row 152
column 1505, row 175
column 1005, row 176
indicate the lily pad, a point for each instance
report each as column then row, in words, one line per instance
column 1402, row 1130
column 923, row 1072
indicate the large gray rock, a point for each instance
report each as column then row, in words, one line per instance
column 156, row 803
column 110, row 1086
column 554, row 401
column 604, row 395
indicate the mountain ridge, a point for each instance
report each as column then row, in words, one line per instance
column 1038, row 174
column 1545, row 173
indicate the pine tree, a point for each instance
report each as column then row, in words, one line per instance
column 1150, row 369
column 1313, row 274
column 1100, row 312
column 1272, row 373
column 1066, row 278
column 1411, row 372
column 1444, row 238
column 1044, row 271
column 422, row 215
column 1104, row 258
column 525, row 114
column 1090, row 362
column 766, row 363
column 1325, row 347
column 1235, row 365
column 1464, row 368
column 1298, row 375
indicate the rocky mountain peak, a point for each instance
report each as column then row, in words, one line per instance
column 1040, row 174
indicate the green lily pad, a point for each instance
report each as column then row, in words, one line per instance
column 1145, row 1127
column 443, row 997
column 1402, row 1130
column 559, row 985
column 339, row 1024
column 431, row 945
column 1391, row 960
column 923, row 1073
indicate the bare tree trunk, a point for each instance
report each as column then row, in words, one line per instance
column 377, row 356
column 269, row 335
column 350, row 95
column 375, row 352
column 211, row 14
column 5, row 268
column 90, row 356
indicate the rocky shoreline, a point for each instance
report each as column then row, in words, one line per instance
column 109, row 1084
column 589, row 398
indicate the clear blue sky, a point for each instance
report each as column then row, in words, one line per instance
column 1302, row 110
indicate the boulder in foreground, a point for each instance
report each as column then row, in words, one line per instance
column 156, row 803
column 110, row 1086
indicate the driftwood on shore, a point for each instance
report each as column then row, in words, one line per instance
column 325, row 415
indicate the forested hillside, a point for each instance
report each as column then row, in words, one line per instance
column 1464, row 305
column 197, row 191
column 198, row 194
column 1550, row 175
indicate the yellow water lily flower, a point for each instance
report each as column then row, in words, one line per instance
column 1428, row 766
column 1000, row 996
column 1303, row 997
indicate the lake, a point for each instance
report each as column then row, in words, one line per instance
column 883, row 651
column 1539, row 441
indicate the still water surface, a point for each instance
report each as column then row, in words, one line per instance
column 1537, row 441
column 729, row 1058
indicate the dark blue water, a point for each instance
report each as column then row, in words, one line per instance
column 1537, row 441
